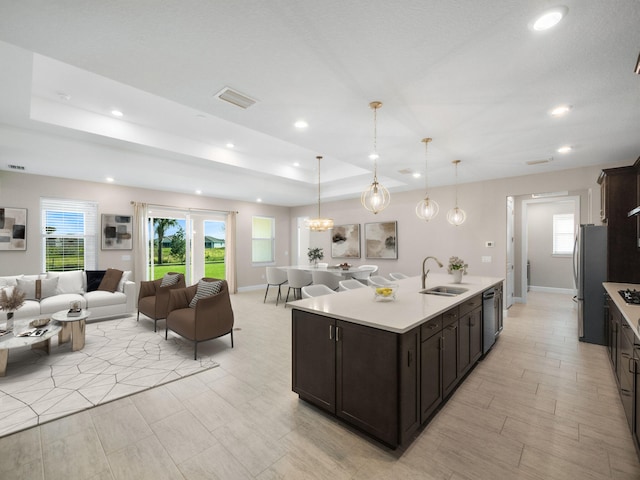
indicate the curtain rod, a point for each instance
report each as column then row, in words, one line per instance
column 187, row 209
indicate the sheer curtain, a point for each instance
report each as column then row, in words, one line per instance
column 230, row 252
column 140, row 241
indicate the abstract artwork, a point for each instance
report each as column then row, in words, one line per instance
column 13, row 228
column 345, row 241
column 381, row 240
column 116, row 232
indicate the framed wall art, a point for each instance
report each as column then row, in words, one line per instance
column 116, row 232
column 13, row 228
column 345, row 241
column 381, row 240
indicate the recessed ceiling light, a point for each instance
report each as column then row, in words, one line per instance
column 296, row 164
column 416, row 175
column 259, row 200
column 301, row 124
column 110, row 179
column 565, row 149
column 549, row 19
column 374, row 156
column 230, row 145
column 116, row 113
column 198, row 192
column 64, row 96
column 560, row 110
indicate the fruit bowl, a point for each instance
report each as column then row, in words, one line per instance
column 386, row 293
column 39, row 322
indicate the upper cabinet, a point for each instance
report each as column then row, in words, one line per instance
column 619, row 195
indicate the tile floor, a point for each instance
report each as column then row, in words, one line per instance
column 540, row 406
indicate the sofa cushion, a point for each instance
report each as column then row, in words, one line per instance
column 9, row 281
column 101, row 298
column 69, row 282
column 205, row 289
column 38, row 289
column 30, row 308
column 94, row 277
column 61, row 302
column 110, row 280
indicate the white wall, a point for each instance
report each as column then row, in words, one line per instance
column 22, row 190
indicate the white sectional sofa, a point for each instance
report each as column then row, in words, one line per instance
column 59, row 289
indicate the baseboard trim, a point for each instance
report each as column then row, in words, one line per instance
column 565, row 291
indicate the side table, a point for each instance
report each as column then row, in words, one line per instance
column 72, row 328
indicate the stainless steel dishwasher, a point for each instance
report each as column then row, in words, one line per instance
column 489, row 319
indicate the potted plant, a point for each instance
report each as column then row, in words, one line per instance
column 10, row 303
column 314, row 255
column 457, row 268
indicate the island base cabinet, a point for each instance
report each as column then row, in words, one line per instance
column 430, row 375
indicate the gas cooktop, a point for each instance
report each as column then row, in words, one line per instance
column 632, row 297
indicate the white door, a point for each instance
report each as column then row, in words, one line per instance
column 508, row 298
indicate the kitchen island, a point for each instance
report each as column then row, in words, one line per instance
column 386, row 367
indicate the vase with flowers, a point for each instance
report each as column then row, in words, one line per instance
column 10, row 303
column 314, row 255
column 457, row 268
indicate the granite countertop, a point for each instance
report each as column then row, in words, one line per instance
column 408, row 310
column 631, row 313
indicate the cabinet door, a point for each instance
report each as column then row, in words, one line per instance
column 625, row 370
column 475, row 335
column 430, row 376
column 636, row 396
column 314, row 359
column 409, row 383
column 449, row 356
column 464, row 359
column 367, row 379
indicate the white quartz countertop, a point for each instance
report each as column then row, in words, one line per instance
column 408, row 310
column 630, row 312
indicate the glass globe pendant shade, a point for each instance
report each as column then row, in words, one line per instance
column 427, row 209
column 456, row 216
column 375, row 198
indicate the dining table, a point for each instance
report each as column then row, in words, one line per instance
column 338, row 270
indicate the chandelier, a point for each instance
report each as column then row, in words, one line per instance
column 319, row 224
column 375, row 198
column 456, row 215
column 426, row 209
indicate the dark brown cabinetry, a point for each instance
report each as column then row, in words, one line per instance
column 618, row 195
column 450, row 341
column 470, row 333
column 625, row 370
column 430, row 367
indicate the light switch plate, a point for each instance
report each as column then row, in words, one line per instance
column 486, row 259
column 489, row 244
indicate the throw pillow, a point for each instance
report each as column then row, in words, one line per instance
column 10, row 281
column 205, row 289
column 126, row 275
column 110, row 280
column 38, row 289
column 69, row 282
column 170, row 279
column 94, row 277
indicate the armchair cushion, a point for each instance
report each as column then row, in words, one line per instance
column 205, row 289
column 169, row 279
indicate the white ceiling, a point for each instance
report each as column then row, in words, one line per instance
column 469, row 73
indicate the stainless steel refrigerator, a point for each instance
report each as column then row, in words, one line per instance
column 589, row 271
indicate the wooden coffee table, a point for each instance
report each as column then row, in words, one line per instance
column 11, row 341
column 72, row 328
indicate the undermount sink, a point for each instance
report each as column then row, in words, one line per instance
column 444, row 291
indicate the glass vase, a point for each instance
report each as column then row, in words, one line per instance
column 9, row 326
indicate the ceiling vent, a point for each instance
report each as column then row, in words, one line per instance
column 405, row 171
column 234, row 97
column 15, row 167
column 539, row 162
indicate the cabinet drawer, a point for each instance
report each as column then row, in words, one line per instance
column 430, row 328
column 449, row 317
column 470, row 304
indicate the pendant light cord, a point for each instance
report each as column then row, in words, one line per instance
column 319, row 158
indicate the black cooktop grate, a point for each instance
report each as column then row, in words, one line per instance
column 630, row 296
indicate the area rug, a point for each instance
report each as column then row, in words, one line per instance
column 120, row 357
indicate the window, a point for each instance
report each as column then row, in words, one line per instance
column 69, row 239
column 263, row 239
column 563, row 234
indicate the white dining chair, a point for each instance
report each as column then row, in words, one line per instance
column 322, row 277
column 297, row 279
column 315, row 290
column 363, row 273
column 275, row 278
column 379, row 281
column 398, row 276
column 350, row 284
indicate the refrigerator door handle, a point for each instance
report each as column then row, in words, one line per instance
column 575, row 262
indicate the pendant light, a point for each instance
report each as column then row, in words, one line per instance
column 375, row 198
column 456, row 215
column 319, row 224
column 426, row 209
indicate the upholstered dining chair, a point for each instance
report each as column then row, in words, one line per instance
column 398, row 276
column 378, row 281
column 350, row 284
column 323, row 277
column 316, row 291
column 275, row 277
column 200, row 312
column 153, row 299
column 297, row 279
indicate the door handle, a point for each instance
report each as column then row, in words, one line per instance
column 330, row 332
column 337, row 334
